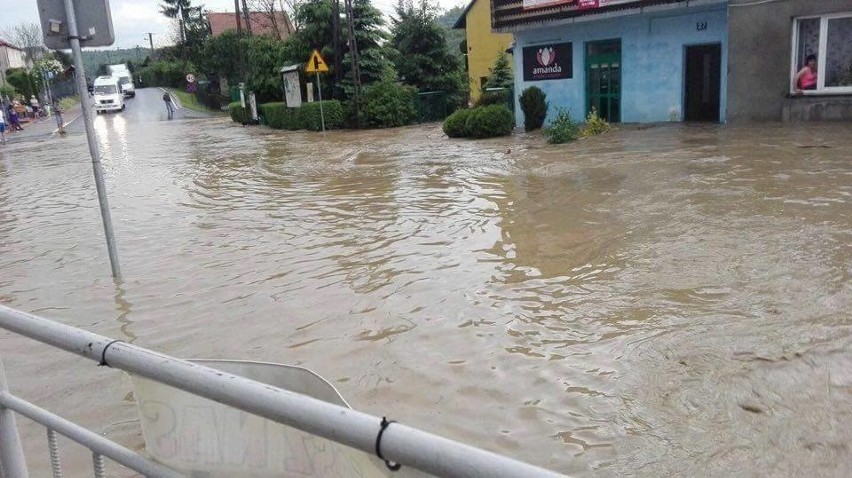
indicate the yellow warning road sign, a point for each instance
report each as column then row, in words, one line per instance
column 316, row 64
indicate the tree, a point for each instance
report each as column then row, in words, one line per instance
column 420, row 52
column 316, row 33
column 501, row 73
column 453, row 36
column 220, row 57
column 27, row 36
column 179, row 10
column 370, row 36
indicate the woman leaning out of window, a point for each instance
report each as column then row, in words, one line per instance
column 806, row 78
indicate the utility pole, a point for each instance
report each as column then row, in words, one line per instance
column 137, row 54
column 151, row 42
column 237, row 14
column 247, row 15
column 338, row 57
column 353, row 55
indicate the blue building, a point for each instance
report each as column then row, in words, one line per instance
column 631, row 60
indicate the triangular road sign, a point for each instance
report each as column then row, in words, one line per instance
column 316, row 64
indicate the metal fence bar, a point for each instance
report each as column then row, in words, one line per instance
column 92, row 441
column 400, row 443
column 100, row 468
column 12, row 462
column 53, row 447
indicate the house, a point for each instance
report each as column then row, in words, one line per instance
column 262, row 23
column 630, row 60
column 683, row 60
column 769, row 43
column 10, row 57
column 483, row 45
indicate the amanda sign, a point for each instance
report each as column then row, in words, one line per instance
column 548, row 62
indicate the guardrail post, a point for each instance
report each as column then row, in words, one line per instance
column 12, row 462
column 100, row 468
column 53, row 446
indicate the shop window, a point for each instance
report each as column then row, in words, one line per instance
column 829, row 39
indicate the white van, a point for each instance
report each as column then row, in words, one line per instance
column 108, row 95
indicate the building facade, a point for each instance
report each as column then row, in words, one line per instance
column 483, row 46
column 10, row 57
column 769, row 44
column 630, row 61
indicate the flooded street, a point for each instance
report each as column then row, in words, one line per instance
column 672, row 300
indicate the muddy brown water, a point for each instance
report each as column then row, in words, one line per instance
column 672, row 300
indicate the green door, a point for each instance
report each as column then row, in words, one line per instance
column 603, row 79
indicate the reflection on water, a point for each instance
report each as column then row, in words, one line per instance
column 665, row 301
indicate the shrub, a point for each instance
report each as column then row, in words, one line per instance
column 388, row 104
column 534, row 106
column 490, row 121
column 309, row 115
column 562, row 129
column 455, row 126
column 594, row 124
column 279, row 116
column 238, row 113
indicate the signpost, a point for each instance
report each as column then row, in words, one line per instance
column 59, row 23
column 316, row 64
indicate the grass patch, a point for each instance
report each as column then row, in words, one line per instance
column 188, row 100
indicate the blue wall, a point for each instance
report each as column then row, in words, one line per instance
column 652, row 59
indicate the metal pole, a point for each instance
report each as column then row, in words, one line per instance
column 151, row 42
column 93, row 141
column 12, row 462
column 319, row 91
column 400, row 443
column 89, row 439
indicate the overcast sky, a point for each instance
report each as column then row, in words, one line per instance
column 133, row 18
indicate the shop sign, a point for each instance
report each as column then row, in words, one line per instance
column 548, row 62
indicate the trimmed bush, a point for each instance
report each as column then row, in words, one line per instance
column 309, row 115
column 490, row 121
column 388, row 104
column 562, row 129
column 455, row 126
column 279, row 116
column 534, row 106
column 164, row 73
column 238, row 113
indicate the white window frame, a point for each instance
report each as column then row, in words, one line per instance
column 821, row 89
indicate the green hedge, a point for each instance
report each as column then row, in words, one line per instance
column 455, row 126
column 279, row 116
column 309, row 115
column 164, row 73
column 388, row 104
column 238, row 113
column 481, row 122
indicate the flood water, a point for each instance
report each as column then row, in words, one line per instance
column 672, row 300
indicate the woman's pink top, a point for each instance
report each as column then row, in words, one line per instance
column 808, row 80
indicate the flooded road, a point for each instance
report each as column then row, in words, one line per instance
column 664, row 301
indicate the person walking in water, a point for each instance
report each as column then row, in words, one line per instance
column 2, row 126
column 57, row 113
column 170, row 109
column 806, row 78
column 14, row 122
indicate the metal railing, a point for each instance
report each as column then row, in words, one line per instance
column 399, row 443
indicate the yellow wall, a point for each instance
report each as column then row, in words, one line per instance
column 483, row 46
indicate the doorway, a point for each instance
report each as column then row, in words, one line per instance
column 702, row 82
column 603, row 79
